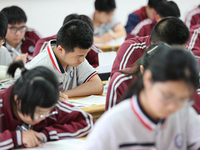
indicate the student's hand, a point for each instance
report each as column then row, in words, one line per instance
column 63, row 97
column 22, row 57
column 107, row 37
column 29, row 138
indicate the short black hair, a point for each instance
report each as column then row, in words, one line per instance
column 170, row 30
column 168, row 8
column 154, row 3
column 3, row 25
column 75, row 33
column 35, row 87
column 14, row 14
column 105, row 5
column 82, row 17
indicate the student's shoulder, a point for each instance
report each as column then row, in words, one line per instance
column 47, row 38
column 32, row 33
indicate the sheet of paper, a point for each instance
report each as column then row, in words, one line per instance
column 88, row 101
column 66, row 144
column 106, row 60
column 114, row 42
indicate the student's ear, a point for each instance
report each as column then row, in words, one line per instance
column 147, row 79
column 158, row 18
column 141, row 69
column 18, row 103
column 60, row 49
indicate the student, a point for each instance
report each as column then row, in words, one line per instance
column 30, row 111
column 106, row 26
column 65, row 56
column 19, row 38
column 156, row 113
column 121, row 79
column 194, row 42
column 141, row 14
column 193, row 17
column 5, row 57
column 170, row 30
column 92, row 56
column 165, row 9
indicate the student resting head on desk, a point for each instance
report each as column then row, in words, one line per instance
column 65, row 56
column 156, row 113
column 30, row 111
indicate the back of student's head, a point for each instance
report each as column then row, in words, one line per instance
column 84, row 18
column 35, row 87
column 75, row 33
column 170, row 30
column 168, row 8
column 174, row 64
column 105, row 5
column 14, row 14
column 3, row 25
column 154, row 3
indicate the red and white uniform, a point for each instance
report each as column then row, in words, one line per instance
column 73, row 77
column 69, row 122
column 27, row 45
column 143, row 28
column 127, row 127
column 193, row 17
column 194, row 42
column 92, row 56
column 134, row 18
column 117, row 87
column 129, row 52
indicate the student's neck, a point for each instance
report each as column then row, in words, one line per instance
column 96, row 22
column 64, row 65
column 13, row 44
column 144, row 104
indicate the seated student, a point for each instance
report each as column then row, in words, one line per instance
column 193, row 17
column 170, row 30
column 141, row 14
column 156, row 113
column 66, row 57
column 5, row 57
column 194, row 42
column 165, row 9
column 19, row 38
column 30, row 111
column 121, row 79
column 92, row 56
column 106, row 26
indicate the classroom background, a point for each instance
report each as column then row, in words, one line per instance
column 46, row 16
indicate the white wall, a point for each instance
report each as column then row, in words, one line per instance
column 46, row 16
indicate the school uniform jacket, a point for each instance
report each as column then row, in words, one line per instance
column 27, row 44
column 69, row 122
column 193, row 17
column 117, row 87
column 143, row 28
column 134, row 18
column 194, row 42
column 92, row 56
column 129, row 52
column 73, row 77
column 127, row 127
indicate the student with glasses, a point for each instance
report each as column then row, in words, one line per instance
column 156, row 112
column 30, row 113
column 19, row 38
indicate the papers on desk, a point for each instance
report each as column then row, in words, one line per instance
column 114, row 42
column 66, row 144
column 106, row 60
column 88, row 101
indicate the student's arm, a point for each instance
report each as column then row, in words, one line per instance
column 118, row 31
column 69, row 122
column 93, row 86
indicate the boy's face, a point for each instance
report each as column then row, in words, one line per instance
column 73, row 58
column 105, row 17
column 15, row 33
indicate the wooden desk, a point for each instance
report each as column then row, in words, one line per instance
column 108, row 48
column 95, row 110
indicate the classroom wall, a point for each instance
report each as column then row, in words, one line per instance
column 46, row 16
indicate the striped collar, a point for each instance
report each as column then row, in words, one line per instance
column 53, row 57
column 148, row 122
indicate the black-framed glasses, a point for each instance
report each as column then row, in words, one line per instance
column 47, row 115
column 15, row 29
